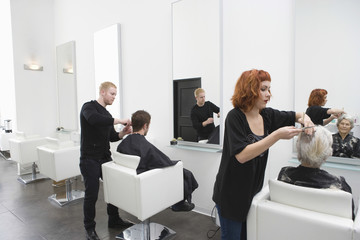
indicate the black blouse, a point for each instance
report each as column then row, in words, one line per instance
column 236, row 183
column 317, row 114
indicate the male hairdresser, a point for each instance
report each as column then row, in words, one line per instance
column 97, row 131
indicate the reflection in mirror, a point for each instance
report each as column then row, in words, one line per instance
column 345, row 143
column 327, row 55
column 66, row 85
column 196, row 60
column 107, row 57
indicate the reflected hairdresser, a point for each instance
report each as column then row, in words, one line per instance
column 316, row 111
column 202, row 118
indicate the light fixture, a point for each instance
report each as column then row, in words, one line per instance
column 33, row 67
column 68, row 70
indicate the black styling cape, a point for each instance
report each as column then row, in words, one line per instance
column 151, row 158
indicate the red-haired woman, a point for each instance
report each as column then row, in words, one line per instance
column 250, row 130
column 318, row 114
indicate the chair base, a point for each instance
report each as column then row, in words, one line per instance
column 74, row 196
column 157, row 232
column 29, row 178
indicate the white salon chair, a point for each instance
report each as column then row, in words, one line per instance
column 59, row 160
column 23, row 151
column 4, row 143
column 142, row 195
column 284, row 211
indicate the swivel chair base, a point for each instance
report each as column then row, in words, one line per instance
column 147, row 231
column 32, row 177
column 70, row 195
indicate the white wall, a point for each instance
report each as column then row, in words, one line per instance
column 256, row 35
column 7, row 85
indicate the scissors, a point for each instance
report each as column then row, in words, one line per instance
column 307, row 127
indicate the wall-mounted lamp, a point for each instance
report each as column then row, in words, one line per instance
column 69, row 70
column 33, row 67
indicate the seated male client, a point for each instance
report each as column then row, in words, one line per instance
column 151, row 157
column 312, row 153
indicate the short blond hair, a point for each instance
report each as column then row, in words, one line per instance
column 314, row 150
column 106, row 86
column 198, row 91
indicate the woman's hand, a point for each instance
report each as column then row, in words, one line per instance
column 287, row 132
column 305, row 120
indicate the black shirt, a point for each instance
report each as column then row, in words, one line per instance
column 150, row 156
column 201, row 114
column 236, row 183
column 97, row 130
column 317, row 114
column 348, row 148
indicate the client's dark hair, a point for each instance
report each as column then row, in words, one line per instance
column 139, row 118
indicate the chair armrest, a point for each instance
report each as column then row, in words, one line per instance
column 159, row 189
column 120, row 187
column 356, row 233
column 25, row 150
column 59, row 164
column 251, row 221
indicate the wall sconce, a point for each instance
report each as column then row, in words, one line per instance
column 33, row 67
column 68, row 70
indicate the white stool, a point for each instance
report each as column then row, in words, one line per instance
column 59, row 160
column 23, row 151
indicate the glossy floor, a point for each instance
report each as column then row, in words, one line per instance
column 26, row 213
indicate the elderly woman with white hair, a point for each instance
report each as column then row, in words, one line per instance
column 312, row 153
column 345, row 144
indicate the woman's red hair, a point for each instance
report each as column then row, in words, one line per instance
column 317, row 97
column 247, row 88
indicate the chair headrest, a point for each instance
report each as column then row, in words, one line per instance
column 129, row 161
column 331, row 201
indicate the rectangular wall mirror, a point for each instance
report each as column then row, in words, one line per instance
column 327, row 55
column 196, row 60
column 107, row 57
column 66, row 86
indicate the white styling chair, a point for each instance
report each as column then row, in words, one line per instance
column 142, row 195
column 284, row 211
column 23, row 151
column 59, row 160
column 4, row 143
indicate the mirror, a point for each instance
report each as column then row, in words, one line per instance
column 327, row 55
column 107, row 57
column 66, row 86
column 196, row 60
